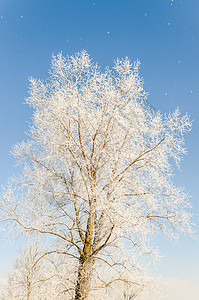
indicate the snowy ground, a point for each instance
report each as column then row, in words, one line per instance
column 174, row 288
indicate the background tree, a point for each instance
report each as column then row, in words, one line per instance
column 30, row 276
column 97, row 171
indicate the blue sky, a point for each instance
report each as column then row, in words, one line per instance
column 163, row 35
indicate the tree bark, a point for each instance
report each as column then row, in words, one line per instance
column 86, row 262
column 84, row 279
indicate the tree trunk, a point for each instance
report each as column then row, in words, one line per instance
column 84, row 279
column 28, row 291
column 86, row 262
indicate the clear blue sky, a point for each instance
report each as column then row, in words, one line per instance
column 162, row 34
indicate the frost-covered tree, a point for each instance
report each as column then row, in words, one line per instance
column 97, row 176
column 29, row 276
column 37, row 272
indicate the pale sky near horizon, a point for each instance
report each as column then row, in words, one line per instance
column 163, row 35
